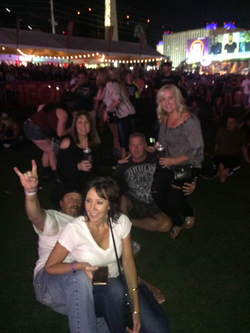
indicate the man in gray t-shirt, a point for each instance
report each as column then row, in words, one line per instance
column 136, row 176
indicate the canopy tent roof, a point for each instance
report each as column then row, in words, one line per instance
column 46, row 44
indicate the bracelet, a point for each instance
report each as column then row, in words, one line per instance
column 72, row 267
column 30, row 192
column 136, row 312
column 133, row 289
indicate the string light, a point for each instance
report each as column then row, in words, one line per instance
column 102, row 58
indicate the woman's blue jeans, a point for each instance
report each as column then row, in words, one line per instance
column 108, row 298
column 73, row 295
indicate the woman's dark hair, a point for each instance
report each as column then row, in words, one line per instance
column 93, row 137
column 106, row 188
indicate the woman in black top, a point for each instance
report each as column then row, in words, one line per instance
column 74, row 171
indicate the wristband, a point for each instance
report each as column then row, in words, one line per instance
column 72, row 267
column 30, row 192
column 134, row 289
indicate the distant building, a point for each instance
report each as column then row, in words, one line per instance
column 185, row 45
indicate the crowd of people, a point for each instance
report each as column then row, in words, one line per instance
column 148, row 187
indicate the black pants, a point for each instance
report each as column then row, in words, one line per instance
column 170, row 200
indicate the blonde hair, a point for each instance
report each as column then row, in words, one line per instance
column 101, row 77
column 181, row 107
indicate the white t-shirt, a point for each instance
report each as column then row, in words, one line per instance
column 78, row 240
column 54, row 223
column 246, row 86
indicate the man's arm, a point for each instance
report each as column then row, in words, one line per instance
column 29, row 181
column 244, row 150
column 74, row 88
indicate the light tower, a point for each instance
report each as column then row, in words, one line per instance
column 110, row 18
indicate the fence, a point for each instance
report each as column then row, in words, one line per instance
column 14, row 95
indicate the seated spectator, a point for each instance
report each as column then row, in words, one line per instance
column 48, row 225
column 230, row 143
column 74, row 171
column 90, row 245
column 136, row 175
column 10, row 131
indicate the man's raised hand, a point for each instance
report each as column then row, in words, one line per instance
column 29, row 180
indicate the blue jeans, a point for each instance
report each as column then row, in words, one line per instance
column 110, row 303
column 153, row 317
column 72, row 295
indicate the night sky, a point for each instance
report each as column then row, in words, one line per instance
column 173, row 16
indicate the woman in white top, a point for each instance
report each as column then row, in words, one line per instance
column 119, row 111
column 88, row 240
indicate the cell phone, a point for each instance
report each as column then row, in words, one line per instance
column 152, row 140
column 100, row 276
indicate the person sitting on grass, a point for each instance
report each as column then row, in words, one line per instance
column 48, row 224
column 90, row 243
column 73, row 168
column 136, row 174
column 10, row 136
column 230, row 144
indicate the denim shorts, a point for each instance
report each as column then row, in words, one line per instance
column 140, row 210
column 34, row 132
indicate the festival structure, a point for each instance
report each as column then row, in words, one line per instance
column 39, row 47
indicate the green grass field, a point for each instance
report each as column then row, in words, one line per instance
column 204, row 274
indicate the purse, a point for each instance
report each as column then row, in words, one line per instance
column 182, row 174
column 129, row 318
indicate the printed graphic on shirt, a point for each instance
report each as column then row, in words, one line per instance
column 84, row 91
column 139, row 179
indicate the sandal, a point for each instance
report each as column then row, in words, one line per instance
column 189, row 222
column 158, row 295
column 175, row 232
